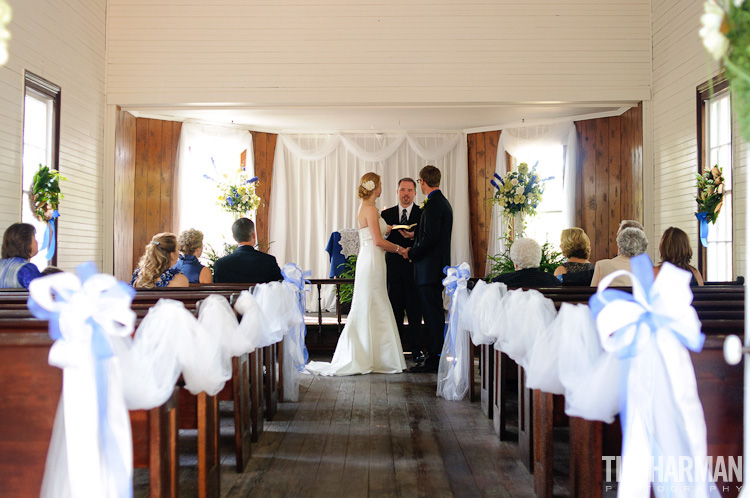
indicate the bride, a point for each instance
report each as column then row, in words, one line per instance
column 370, row 342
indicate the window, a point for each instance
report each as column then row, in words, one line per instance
column 548, row 223
column 41, row 139
column 715, row 148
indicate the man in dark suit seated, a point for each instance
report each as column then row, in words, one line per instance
column 526, row 256
column 246, row 265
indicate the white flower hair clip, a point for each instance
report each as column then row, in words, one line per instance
column 369, row 185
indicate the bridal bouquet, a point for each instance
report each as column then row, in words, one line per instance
column 237, row 193
column 518, row 191
column 726, row 36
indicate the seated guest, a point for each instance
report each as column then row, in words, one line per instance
column 628, row 224
column 155, row 267
column 50, row 270
column 246, row 265
column 526, row 256
column 576, row 247
column 191, row 246
column 675, row 248
column 19, row 246
column 630, row 242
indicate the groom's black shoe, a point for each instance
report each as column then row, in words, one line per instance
column 429, row 366
column 418, row 357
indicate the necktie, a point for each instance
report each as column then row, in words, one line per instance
column 403, row 217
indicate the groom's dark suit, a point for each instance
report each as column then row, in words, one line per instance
column 401, row 289
column 431, row 253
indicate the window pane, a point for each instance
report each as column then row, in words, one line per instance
column 719, row 152
column 547, row 225
column 36, row 151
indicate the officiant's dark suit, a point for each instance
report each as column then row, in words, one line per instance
column 246, row 265
column 402, row 291
column 430, row 254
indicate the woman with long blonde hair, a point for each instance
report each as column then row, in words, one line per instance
column 154, row 267
column 370, row 342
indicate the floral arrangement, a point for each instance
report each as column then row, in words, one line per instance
column 711, row 193
column 519, row 191
column 45, row 192
column 237, row 193
column 211, row 254
column 726, row 36
column 346, row 291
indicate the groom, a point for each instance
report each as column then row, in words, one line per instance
column 430, row 254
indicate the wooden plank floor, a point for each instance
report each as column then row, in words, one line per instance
column 378, row 436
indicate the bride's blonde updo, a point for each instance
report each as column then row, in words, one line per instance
column 368, row 180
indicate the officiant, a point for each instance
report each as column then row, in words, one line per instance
column 402, row 290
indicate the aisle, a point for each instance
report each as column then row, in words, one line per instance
column 379, row 436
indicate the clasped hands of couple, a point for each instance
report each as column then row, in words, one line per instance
column 405, row 234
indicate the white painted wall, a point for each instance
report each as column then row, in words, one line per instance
column 64, row 42
column 319, row 52
column 680, row 65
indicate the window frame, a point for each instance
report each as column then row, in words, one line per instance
column 44, row 89
column 716, row 86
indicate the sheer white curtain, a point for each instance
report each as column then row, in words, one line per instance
column 315, row 179
column 212, row 151
column 526, row 144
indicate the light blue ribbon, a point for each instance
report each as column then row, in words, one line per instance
column 294, row 276
column 642, row 268
column 102, row 352
column 703, row 219
column 452, row 283
column 49, row 236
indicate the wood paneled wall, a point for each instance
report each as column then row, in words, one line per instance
column 145, row 163
column 482, row 148
column 124, row 194
column 145, row 160
column 264, row 146
column 609, row 189
column 610, row 178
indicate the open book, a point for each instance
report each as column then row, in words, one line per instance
column 403, row 227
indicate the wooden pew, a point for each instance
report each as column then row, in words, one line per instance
column 721, row 310
column 31, row 390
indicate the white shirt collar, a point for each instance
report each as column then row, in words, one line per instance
column 408, row 210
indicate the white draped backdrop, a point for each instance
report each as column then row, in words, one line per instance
column 527, row 145
column 315, row 179
column 213, row 151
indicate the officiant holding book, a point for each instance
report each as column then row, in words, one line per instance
column 402, row 290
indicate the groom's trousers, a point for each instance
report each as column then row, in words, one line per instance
column 431, row 298
column 404, row 299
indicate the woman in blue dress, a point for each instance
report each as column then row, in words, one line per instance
column 19, row 245
column 155, row 267
column 191, row 246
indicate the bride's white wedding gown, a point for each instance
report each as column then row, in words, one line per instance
column 370, row 342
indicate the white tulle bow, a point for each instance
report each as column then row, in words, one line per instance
column 91, row 441
column 453, row 370
column 661, row 414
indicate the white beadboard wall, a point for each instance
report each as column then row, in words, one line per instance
column 680, row 65
column 63, row 42
column 287, row 52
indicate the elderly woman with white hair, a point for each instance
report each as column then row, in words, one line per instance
column 526, row 256
column 630, row 242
